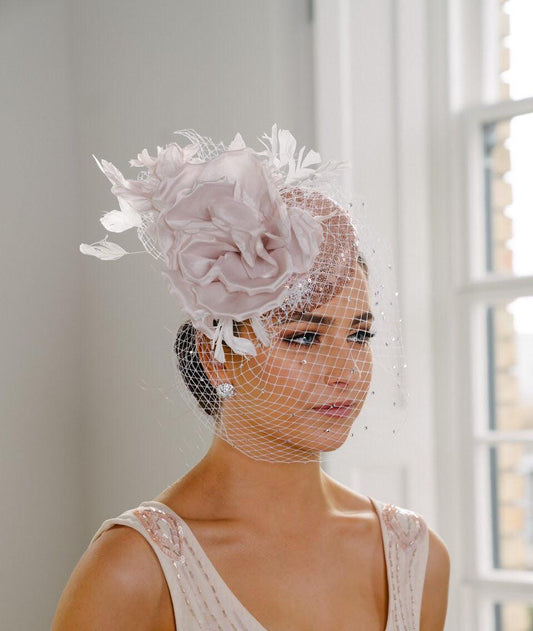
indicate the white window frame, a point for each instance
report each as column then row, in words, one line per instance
column 436, row 145
column 476, row 290
column 462, row 293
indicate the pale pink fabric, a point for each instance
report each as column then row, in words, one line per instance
column 202, row 600
column 217, row 217
column 230, row 243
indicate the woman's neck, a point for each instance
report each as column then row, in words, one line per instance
column 227, row 484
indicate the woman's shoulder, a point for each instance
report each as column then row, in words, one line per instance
column 349, row 501
column 127, row 556
column 398, row 524
column 410, row 532
column 117, row 584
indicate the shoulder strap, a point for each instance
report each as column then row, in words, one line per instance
column 405, row 539
column 165, row 538
column 195, row 593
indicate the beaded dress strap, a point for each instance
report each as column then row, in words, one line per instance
column 200, row 597
column 406, row 542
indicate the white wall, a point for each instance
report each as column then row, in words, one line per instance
column 82, row 439
column 240, row 66
column 40, row 315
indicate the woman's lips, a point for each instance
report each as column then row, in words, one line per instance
column 336, row 409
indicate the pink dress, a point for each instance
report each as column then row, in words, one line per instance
column 202, row 600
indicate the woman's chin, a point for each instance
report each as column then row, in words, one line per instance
column 292, row 441
column 323, row 439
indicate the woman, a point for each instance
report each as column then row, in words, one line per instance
column 277, row 354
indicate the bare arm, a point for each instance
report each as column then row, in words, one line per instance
column 435, row 595
column 117, row 585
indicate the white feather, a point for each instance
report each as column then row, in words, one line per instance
column 104, row 250
column 119, row 221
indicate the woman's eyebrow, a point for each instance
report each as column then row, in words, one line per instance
column 365, row 316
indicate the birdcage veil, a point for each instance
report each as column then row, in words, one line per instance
column 290, row 328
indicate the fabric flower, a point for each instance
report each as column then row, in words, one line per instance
column 217, row 217
column 230, row 243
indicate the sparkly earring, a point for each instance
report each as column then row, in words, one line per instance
column 225, row 390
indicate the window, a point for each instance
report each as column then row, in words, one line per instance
column 496, row 288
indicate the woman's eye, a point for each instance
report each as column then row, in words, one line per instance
column 302, row 339
column 363, row 335
column 311, row 337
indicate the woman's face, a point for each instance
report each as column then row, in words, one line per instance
column 301, row 395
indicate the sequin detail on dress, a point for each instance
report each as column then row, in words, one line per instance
column 406, row 532
column 196, row 586
column 202, row 600
column 166, row 533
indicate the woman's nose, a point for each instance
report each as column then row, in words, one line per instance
column 342, row 368
column 344, row 377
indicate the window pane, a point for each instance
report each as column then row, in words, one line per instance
column 511, row 472
column 513, row 616
column 516, row 48
column 510, row 465
column 508, row 151
column 510, row 356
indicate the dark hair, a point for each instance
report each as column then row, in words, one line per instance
column 192, row 370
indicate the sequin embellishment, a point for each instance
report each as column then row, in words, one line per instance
column 405, row 525
column 165, row 532
column 205, row 602
column 406, row 531
column 168, row 534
